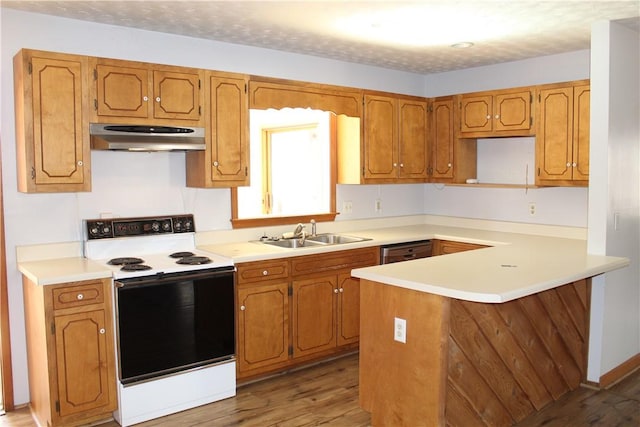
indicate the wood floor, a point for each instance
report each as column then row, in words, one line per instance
column 327, row 394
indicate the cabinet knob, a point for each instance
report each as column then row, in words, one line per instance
column 488, row 116
column 574, row 164
column 568, row 164
column 102, row 331
column 341, row 290
column 395, row 165
column 79, row 296
column 265, row 273
column 80, row 163
column 216, row 164
column 157, row 99
column 335, row 291
column 145, row 98
column 243, row 308
column 449, row 165
column 497, row 116
column 401, row 165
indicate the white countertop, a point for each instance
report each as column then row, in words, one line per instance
column 516, row 265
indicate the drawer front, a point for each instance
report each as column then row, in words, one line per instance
column 451, row 247
column 74, row 296
column 335, row 261
column 262, row 270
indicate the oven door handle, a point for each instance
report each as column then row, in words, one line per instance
column 161, row 278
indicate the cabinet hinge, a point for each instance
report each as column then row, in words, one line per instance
column 530, row 99
column 246, row 171
column 530, row 121
column 538, row 171
column 290, row 291
column 199, row 84
column 290, row 350
column 58, row 406
column 33, row 172
column 246, row 88
column 95, row 74
column 539, row 98
column 29, row 68
column 53, row 328
column 95, row 104
column 199, row 110
column 363, row 171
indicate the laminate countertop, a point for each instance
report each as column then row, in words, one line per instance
column 515, row 265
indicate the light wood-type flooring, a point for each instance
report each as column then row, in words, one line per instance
column 327, row 394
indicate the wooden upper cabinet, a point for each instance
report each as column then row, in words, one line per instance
column 395, row 139
column 142, row 93
column 497, row 113
column 562, row 143
column 52, row 127
column 225, row 161
column 442, row 139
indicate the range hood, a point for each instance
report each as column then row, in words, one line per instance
column 145, row 137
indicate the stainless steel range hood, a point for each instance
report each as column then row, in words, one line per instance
column 145, row 138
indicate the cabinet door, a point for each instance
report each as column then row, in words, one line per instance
column 512, row 111
column 380, row 137
column 60, row 143
column 81, row 352
column 176, row 95
column 554, row 146
column 348, row 309
column 442, row 139
column 581, row 136
column 412, row 139
column 263, row 326
column 476, row 113
column 314, row 315
column 122, row 92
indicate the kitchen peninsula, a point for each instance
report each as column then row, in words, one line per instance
column 485, row 337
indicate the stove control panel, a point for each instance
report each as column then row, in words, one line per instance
column 130, row 227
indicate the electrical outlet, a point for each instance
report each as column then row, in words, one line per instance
column 347, row 207
column 532, row 208
column 378, row 206
column 400, row 330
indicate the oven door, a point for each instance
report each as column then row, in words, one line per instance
column 174, row 322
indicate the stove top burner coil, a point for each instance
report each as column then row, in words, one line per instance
column 125, row 261
column 181, row 254
column 135, row 267
column 194, row 260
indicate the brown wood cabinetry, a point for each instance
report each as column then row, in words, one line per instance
column 70, row 352
column 444, row 247
column 497, row 113
column 298, row 310
column 562, row 137
column 141, row 93
column 395, row 139
column 225, row 161
column 52, row 127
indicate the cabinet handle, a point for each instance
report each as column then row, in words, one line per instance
column 80, row 163
column 145, row 98
column 157, row 99
column 102, row 331
column 79, row 296
column 243, row 308
column 265, row 273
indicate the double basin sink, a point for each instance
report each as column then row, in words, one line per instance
column 317, row 240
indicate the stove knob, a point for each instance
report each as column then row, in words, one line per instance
column 166, row 226
column 155, row 226
column 106, row 229
column 188, row 224
column 93, row 230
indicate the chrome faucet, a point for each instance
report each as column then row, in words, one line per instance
column 300, row 232
column 313, row 227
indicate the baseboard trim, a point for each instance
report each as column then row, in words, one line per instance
column 619, row 372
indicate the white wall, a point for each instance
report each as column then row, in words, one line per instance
column 614, row 196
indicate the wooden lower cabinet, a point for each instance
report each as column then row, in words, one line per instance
column 444, row 247
column 298, row 310
column 70, row 351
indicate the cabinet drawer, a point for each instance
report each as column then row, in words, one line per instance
column 444, row 247
column 335, row 261
column 74, row 296
column 263, row 270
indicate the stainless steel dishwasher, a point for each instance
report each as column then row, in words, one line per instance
column 405, row 251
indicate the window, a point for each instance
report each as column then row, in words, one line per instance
column 293, row 169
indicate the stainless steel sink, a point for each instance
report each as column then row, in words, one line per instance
column 292, row 243
column 335, row 239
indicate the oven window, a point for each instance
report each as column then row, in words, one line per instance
column 169, row 326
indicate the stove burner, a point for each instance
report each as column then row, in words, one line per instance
column 181, row 254
column 135, row 267
column 125, row 261
column 194, row 260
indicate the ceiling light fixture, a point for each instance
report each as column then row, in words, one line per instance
column 462, row 45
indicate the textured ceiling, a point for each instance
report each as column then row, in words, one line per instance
column 529, row 28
